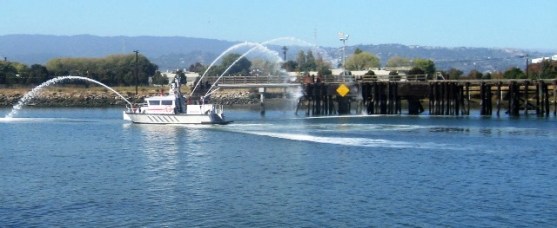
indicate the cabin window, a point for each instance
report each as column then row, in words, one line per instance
column 155, row 102
column 166, row 102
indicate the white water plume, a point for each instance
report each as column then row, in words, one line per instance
column 258, row 47
column 31, row 94
column 237, row 46
column 318, row 50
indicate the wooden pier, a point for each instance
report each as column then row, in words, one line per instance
column 417, row 96
column 442, row 97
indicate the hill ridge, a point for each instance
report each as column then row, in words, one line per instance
column 172, row 52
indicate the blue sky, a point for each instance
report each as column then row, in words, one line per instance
column 523, row 24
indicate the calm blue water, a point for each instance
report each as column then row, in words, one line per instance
column 87, row 167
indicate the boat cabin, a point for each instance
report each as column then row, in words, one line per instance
column 159, row 105
column 167, row 105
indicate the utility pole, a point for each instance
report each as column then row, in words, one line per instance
column 526, row 66
column 284, row 49
column 136, row 72
column 342, row 37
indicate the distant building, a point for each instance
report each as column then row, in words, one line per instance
column 539, row 60
column 191, row 77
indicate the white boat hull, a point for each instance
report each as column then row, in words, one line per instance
column 142, row 118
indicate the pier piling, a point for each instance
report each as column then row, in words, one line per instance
column 448, row 98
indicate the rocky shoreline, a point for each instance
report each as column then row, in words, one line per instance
column 104, row 100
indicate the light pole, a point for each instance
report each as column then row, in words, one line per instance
column 136, row 71
column 527, row 66
column 343, row 37
column 284, row 49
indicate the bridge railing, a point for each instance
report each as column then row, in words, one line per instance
column 247, row 79
column 327, row 79
column 350, row 78
column 393, row 78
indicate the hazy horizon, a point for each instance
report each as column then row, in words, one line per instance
column 475, row 23
column 548, row 50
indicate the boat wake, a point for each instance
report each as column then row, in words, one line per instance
column 294, row 133
column 358, row 142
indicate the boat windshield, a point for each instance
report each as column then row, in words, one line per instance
column 160, row 102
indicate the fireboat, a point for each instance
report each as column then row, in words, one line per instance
column 175, row 108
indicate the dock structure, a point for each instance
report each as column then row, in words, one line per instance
column 441, row 97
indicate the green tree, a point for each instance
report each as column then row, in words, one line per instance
column 474, row 74
column 416, row 71
column 324, row 71
column 159, row 79
column 307, row 62
column 265, row 67
column 362, row 61
column 37, row 74
column 290, row 65
column 323, row 68
column 22, row 72
column 182, row 75
column 454, row 74
column 426, row 65
column 301, row 61
column 241, row 67
column 310, row 61
column 514, row 73
column 58, row 67
column 398, row 61
column 497, row 75
column 547, row 69
column 197, row 67
column 370, row 72
column 320, row 63
column 111, row 70
column 8, row 73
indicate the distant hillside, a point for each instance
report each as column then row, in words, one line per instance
column 32, row 49
column 463, row 58
column 180, row 52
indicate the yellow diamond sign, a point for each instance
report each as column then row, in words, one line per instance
column 342, row 90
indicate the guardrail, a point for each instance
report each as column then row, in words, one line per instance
column 327, row 79
column 394, row 78
column 248, row 79
column 350, row 78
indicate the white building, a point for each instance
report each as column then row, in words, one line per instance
column 190, row 76
column 539, row 60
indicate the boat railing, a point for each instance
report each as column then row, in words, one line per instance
column 218, row 108
column 135, row 107
column 200, row 108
